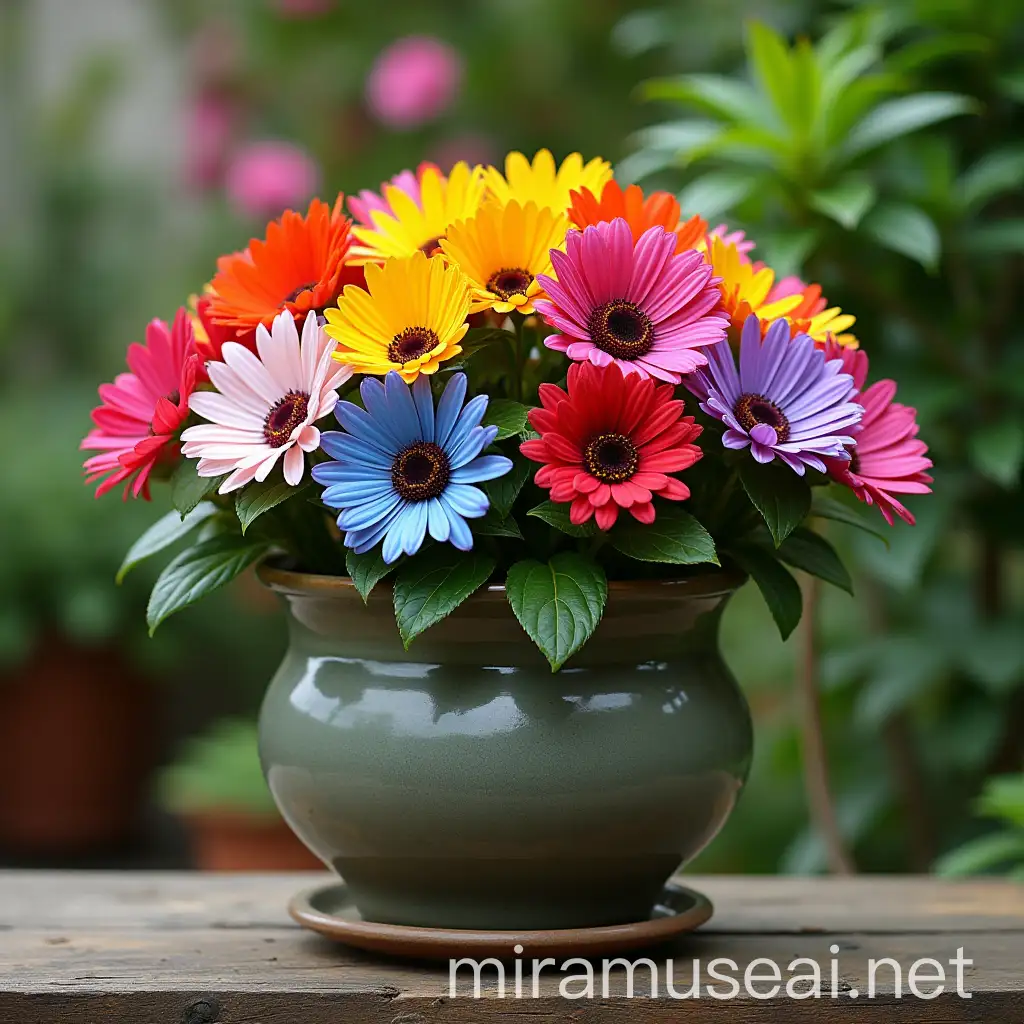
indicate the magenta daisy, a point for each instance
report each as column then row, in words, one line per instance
column 786, row 400
column 642, row 306
column 135, row 427
column 265, row 405
column 888, row 458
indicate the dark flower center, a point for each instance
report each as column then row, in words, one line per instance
column 622, row 329
column 421, row 471
column 431, row 245
column 412, row 343
column 284, row 417
column 509, row 281
column 753, row 409
column 612, row 458
column 854, row 465
column 307, row 287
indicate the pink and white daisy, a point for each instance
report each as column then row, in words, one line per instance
column 142, row 410
column 265, row 405
column 888, row 458
column 642, row 306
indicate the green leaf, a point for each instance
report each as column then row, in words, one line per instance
column 997, row 452
column 893, row 119
column 997, row 239
column 188, row 488
column 780, row 591
column 433, row 584
column 909, row 59
column 559, row 603
column 786, row 251
column 674, row 537
column 508, row 416
column 367, row 569
column 556, row 514
column 807, row 550
column 256, row 498
column 676, row 138
column 1001, row 850
column 829, row 508
column 503, row 491
column 782, row 497
column 200, row 570
column 999, row 171
column 725, row 98
column 492, row 525
column 162, row 534
column 773, row 69
column 847, row 202
column 1003, row 799
column 905, row 229
column 717, row 192
column 477, row 338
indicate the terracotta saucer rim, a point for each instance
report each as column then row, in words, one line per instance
column 417, row 940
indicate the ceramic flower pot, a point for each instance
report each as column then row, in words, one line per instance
column 461, row 784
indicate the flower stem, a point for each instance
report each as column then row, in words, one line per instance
column 520, row 353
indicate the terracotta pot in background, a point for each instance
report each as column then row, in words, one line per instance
column 230, row 841
column 78, row 744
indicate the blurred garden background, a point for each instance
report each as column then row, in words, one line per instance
column 875, row 148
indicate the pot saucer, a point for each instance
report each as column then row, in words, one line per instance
column 329, row 910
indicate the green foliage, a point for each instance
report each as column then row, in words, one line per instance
column 434, row 583
column 167, row 530
column 256, row 498
column 218, row 771
column 674, row 538
column 1000, row 852
column 780, row 591
column 559, row 603
column 200, row 570
column 188, row 488
column 508, row 416
column 782, row 497
column 557, row 515
column 367, row 570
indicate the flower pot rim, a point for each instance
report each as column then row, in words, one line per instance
column 707, row 583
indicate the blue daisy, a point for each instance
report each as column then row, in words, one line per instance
column 403, row 469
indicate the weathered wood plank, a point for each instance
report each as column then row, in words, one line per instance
column 196, row 949
column 750, row 904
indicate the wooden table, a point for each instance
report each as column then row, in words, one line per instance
column 196, row 949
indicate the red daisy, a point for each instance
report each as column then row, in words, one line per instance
column 142, row 410
column 610, row 443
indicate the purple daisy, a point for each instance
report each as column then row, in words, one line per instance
column 644, row 307
column 786, row 400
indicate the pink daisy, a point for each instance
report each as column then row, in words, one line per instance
column 362, row 206
column 644, row 307
column 265, row 404
column 142, row 410
column 888, row 458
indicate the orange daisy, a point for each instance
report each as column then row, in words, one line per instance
column 813, row 315
column 299, row 266
column 659, row 209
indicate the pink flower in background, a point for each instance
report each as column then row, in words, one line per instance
column 208, row 129
column 303, row 8
column 265, row 178
column 362, row 205
column 413, row 81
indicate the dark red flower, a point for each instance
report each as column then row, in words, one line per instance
column 610, row 443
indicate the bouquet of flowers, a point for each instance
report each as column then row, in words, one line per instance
column 535, row 378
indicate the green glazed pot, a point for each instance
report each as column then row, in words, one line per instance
column 462, row 784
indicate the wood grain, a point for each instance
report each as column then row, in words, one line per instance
column 197, row 949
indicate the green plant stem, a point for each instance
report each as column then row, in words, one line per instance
column 520, row 353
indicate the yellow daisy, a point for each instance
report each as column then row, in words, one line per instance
column 502, row 250
column 811, row 317
column 410, row 318
column 745, row 289
column 542, row 183
column 417, row 226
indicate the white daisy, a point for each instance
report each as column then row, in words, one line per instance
column 266, row 404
